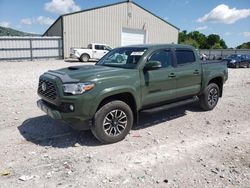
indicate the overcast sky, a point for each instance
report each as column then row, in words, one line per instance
column 228, row 18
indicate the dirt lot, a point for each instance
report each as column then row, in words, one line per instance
column 182, row 147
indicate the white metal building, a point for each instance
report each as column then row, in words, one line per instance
column 118, row 24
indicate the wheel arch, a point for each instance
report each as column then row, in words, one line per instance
column 219, row 81
column 85, row 54
column 126, row 97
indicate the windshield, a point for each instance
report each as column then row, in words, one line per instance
column 107, row 48
column 127, row 57
column 89, row 46
column 234, row 56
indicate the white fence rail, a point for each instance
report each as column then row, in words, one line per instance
column 221, row 53
column 17, row 48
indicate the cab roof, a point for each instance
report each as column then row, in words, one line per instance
column 161, row 46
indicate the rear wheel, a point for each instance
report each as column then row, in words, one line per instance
column 112, row 122
column 210, row 97
column 84, row 58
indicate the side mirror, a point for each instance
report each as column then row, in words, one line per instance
column 152, row 65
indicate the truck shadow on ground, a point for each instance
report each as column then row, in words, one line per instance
column 150, row 118
column 45, row 131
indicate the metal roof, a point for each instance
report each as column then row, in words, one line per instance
column 99, row 7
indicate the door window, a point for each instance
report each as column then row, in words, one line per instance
column 184, row 56
column 99, row 47
column 162, row 56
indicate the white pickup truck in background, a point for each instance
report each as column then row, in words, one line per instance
column 94, row 51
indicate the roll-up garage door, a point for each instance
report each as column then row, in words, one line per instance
column 133, row 36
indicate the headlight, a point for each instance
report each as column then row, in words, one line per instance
column 77, row 88
column 233, row 61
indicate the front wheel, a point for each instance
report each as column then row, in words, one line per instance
column 112, row 122
column 210, row 97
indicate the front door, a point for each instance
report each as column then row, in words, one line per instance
column 158, row 85
column 99, row 51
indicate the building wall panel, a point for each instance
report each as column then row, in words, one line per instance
column 104, row 25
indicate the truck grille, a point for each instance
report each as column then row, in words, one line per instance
column 47, row 89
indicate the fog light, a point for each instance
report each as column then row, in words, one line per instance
column 71, row 107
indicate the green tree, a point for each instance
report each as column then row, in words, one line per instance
column 199, row 37
column 195, row 38
column 191, row 42
column 245, row 45
column 217, row 46
column 223, row 44
column 201, row 41
column 182, row 36
column 212, row 40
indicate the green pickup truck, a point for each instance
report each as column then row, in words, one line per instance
column 107, row 97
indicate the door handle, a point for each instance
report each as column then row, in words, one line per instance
column 171, row 75
column 196, row 72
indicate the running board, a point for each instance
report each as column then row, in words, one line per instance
column 173, row 105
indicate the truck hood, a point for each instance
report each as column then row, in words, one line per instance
column 87, row 73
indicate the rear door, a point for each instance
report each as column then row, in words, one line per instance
column 158, row 85
column 188, row 73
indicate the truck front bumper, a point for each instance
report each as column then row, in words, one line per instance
column 73, row 121
column 55, row 114
column 73, row 56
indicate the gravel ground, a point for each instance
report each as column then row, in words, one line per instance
column 181, row 147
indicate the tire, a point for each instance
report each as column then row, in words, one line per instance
column 237, row 65
column 210, row 97
column 112, row 122
column 84, row 58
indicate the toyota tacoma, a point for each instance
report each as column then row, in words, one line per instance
column 107, row 97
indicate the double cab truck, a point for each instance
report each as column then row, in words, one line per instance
column 107, row 97
column 94, row 51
